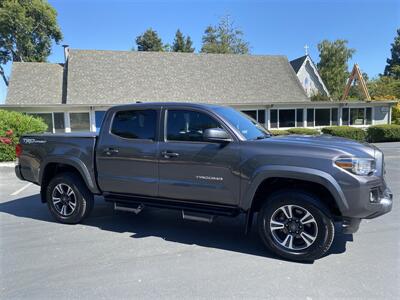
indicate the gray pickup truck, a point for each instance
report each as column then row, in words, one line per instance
column 209, row 161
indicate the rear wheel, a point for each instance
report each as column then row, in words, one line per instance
column 68, row 198
column 295, row 225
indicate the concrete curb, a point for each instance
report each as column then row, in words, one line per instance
column 8, row 164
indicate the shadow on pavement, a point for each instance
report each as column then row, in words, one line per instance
column 223, row 233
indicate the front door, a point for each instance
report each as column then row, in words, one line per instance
column 193, row 169
column 127, row 155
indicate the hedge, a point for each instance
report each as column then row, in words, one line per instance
column 353, row 133
column 276, row 132
column 12, row 126
column 307, row 131
column 383, row 133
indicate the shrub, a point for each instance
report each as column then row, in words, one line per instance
column 12, row 126
column 307, row 131
column 383, row 133
column 354, row 133
column 275, row 132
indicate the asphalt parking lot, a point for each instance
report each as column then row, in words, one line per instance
column 156, row 254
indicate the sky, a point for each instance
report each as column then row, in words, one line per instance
column 271, row 27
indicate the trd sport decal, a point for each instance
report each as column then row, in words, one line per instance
column 209, row 178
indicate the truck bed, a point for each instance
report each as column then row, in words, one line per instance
column 77, row 148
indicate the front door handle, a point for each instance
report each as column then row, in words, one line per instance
column 169, row 154
column 110, row 151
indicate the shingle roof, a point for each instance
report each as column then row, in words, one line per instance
column 35, row 83
column 117, row 77
column 298, row 62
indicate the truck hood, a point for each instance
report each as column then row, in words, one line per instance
column 325, row 143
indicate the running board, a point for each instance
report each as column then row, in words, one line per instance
column 135, row 210
column 197, row 217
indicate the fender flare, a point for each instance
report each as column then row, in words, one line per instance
column 77, row 164
column 292, row 172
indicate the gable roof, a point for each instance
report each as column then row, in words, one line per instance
column 35, row 83
column 117, row 77
column 306, row 61
column 298, row 62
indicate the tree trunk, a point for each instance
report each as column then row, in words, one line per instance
column 3, row 75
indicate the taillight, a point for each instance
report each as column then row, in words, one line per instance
column 18, row 150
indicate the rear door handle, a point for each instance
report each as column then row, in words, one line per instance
column 169, row 154
column 110, row 151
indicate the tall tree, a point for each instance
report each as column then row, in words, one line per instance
column 224, row 38
column 333, row 66
column 182, row 43
column 149, row 41
column 27, row 30
column 392, row 68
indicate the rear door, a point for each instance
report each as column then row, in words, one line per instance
column 193, row 169
column 127, row 153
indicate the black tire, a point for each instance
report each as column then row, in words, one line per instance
column 81, row 197
column 311, row 237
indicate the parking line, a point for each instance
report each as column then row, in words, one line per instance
column 21, row 189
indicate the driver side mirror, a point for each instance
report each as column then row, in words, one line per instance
column 217, row 135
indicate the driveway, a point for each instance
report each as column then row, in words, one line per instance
column 156, row 254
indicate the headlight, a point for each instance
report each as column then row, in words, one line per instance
column 358, row 166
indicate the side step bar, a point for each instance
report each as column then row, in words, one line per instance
column 135, row 210
column 197, row 217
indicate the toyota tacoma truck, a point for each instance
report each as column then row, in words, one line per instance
column 208, row 161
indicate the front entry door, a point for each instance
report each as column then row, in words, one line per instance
column 127, row 159
column 193, row 169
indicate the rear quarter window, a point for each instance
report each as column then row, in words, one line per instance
column 135, row 124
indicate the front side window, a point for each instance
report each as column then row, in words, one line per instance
column 186, row 125
column 135, row 124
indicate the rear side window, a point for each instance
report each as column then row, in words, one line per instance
column 135, row 124
column 186, row 125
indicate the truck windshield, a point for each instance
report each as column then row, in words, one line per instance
column 249, row 128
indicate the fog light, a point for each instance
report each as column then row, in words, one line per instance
column 374, row 196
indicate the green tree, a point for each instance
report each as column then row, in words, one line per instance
column 392, row 68
column 27, row 30
column 224, row 38
column 149, row 41
column 384, row 88
column 333, row 66
column 182, row 44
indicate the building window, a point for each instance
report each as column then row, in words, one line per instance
column 261, row 116
column 368, row 116
column 310, row 117
column 299, row 117
column 345, row 116
column 47, row 119
column 59, row 122
column 79, row 121
column 258, row 115
column 322, row 116
column 335, row 117
column 99, row 116
column 274, row 118
column 251, row 113
column 287, row 118
column 356, row 116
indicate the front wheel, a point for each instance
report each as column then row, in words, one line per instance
column 68, row 198
column 295, row 225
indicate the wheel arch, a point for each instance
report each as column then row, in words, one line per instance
column 275, row 178
column 53, row 166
